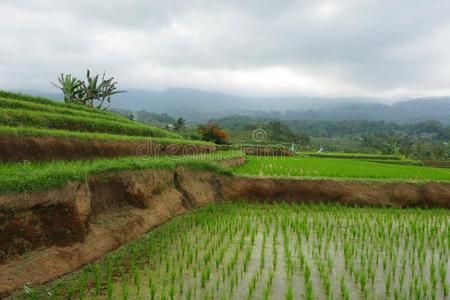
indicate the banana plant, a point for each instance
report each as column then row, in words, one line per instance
column 71, row 88
column 107, row 88
column 91, row 93
column 90, row 89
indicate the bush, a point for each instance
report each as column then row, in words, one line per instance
column 213, row 133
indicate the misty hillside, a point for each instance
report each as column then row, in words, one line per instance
column 410, row 111
column 201, row 106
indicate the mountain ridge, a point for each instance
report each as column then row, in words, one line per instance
column 199, row 106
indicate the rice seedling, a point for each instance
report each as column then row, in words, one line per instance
column 341, row 168
column 336, row 252
column 124, row 289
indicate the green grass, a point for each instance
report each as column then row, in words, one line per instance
column 351, row 155
column 43, row 132
column 20, row 110
column 50, row 102
column 405, row 162
column 339, row 168
column 64, row 110
column 23, row 118
column 276, row 251
column 37, row 176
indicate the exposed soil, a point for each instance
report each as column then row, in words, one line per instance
column 15, row 148
column 267, row 151
column 121, row 206
column 397, row 194
column 437, row 163
column 56, row 217
column 234, row 162
column 44, row 235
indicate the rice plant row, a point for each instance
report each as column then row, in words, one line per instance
column 92, row 136
column 312, row 167
column 49, row 102
column 275, row 251
column 39, row 119
column 68, row 110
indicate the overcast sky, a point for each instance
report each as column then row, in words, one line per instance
column 374, row 48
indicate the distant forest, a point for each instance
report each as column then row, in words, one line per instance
column 328, row 129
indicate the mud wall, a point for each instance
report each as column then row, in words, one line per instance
column 62, row 230
column 395, row 194
column 267, row 151
column 15, row 148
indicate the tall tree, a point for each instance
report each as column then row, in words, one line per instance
column 179, row 125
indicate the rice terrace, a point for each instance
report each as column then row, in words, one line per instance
column 226, row 225
column 243, row 150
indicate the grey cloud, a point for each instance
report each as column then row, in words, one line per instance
column 367, row 46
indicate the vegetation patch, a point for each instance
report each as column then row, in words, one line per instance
column 352, row 155
column 405, row 162
column 51, row 102
column 339, row 168
column 36, row 176
column 24, row 118
column 45, row 132
column 248, row 251
column 64, row 110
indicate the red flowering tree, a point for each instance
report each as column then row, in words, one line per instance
column 213, row 133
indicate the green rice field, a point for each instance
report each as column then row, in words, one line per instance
column 44, row 132
column 339, row 168
column 38, row 176
column 274, row 251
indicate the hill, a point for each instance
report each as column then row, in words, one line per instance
column 36, row 128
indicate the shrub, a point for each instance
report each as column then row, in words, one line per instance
column 213, row 133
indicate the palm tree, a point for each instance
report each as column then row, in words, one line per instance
column 179, row 125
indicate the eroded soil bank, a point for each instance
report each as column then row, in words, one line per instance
column 47, row 234
column 348, row 192
column 267, row 151
column 15, row 148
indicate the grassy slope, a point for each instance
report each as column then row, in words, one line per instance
column 339, row 168
column 65, row 110
column 42, row 132
column 53, row 103
column 23, row 177
column 26, row 111
column 14, row 117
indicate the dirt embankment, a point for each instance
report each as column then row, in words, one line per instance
column 45, row 235
column 395, row 194
column 233, row 162
column 437, row 163
column 267, row 151
column 14, row 148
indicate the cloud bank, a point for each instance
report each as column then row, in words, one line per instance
column 372, row 48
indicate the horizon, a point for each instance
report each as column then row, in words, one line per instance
column 334, row 99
